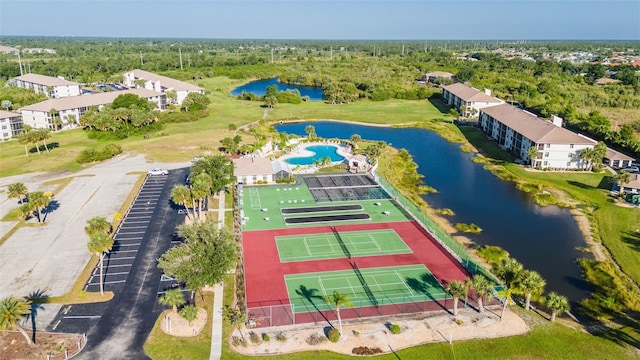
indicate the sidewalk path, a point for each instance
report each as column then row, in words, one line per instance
column 216, row 328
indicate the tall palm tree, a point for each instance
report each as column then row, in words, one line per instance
column 310, row 130
column 482, row 286
column 338, row 300
column 457, row 290
column 12, row 311
column 558, row 304
column 39, row 200
column 97, row 225
column 189, row 313
column 622, row 178
column 99, row 244
column 532, row 154
column 181, row 195
column 17, row 190
column 530, row 282
column 508, row 270
column 468, row 285
column 173, row 298
column 25, row 139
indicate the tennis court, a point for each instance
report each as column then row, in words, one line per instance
column 336, row 245
column 365, row 287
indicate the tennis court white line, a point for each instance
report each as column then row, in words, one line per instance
column 402, row 280
column 369, row 271
column 324, row 291
column 373, row 240
column 306, row 246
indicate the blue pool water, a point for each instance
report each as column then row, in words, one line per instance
column 320, row 151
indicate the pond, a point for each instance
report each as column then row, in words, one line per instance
column 541, row 238
column 319, row 152
column 259, row 88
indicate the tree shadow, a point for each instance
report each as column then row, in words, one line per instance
column 53, row 206
column 606, row 183
column 436, row 101
column 310, row 295
column 632, row 239
column 581, row 185
column 37, row 298
column 423, row 285
column 42, row 148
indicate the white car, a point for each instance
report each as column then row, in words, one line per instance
column 158, row 172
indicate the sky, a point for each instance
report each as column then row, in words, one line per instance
column 317, row 19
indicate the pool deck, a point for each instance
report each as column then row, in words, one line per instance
column 301, row 151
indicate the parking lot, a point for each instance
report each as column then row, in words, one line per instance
column 130, row 268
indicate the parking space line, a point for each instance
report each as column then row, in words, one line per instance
column 119, row 273
column 82, row 317
column 108, row 282
column 122, row 258
column 137, row 222
column 120, row 265
column 136, row 244
column 124, row 251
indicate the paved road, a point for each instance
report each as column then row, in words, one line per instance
column 123, row 328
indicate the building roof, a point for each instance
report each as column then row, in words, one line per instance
column 359, row 157
column 602, row 81
column 252, row 166
column 469, row 94
column 166, row 81
column 534, row 128
column 45, row 80
column 616, row 155
column 443, row 74
column 7, row 114
column 634, row 183
column 280, row 165
column 74, row 102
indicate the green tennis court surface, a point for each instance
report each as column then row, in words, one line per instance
column 365, row 287
column 340, row 245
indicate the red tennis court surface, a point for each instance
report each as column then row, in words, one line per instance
column 264, row 274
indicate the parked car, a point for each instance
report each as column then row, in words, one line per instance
column 631, row 169
column 158, row 172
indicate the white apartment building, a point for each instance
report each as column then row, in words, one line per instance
column 467, row 100
column 518, row 130
column 52, row 87
column 250, row 170
column 10, row 124
column 160, row 83
column 70, row 109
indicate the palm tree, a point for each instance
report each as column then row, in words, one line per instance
column 310, row 130
column 482, row 286
column 530, row 282
column 189, row 313
column 173, row 298
column 532, row 154
column 39, row 200
column 468, row 285
column 354, row 139
column 235, row 317
column 97, row 225
column 6, row 104
column 558, row 304
column 457, row 290
column 200, row 189
column 181, row 195
column 12, row 311
column 55, row 119
column 17, row 190
column 622, row 178
column 338, row 300
column 508, row 270
column 25, row 138
column 99, row 244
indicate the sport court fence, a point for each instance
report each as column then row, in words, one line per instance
column 451, row 245
column 317, row 310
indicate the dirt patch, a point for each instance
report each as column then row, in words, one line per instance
column 14, row 346
column 179, row 326
column 375, row 333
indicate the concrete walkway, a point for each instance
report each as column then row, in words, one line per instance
column 216, row 328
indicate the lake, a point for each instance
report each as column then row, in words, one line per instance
column 259, row 88
column 541, row 238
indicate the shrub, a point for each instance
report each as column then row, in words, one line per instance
column 315, row 339
column 395, row 329
column 333, row 335
column 364, row 350
column 356, row 333
column 280, row 336
column 91, row 155
column 238, row 341
column 265, row 337
column 255, row 338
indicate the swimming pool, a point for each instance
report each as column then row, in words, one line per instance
column 320, row 151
